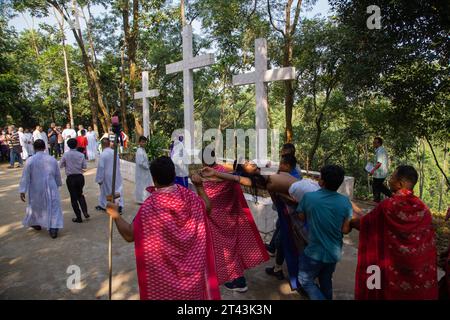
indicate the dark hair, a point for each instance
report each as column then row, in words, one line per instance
column 39, row 145
column 72, row 143
column 143, row 138
column 333, row 176
column 258, row 181
column 379, row 139
column 105, row 141
column 163, row 171
column 289, row 147
column 289, row 159
column 83, row 132
column 208, row 151
column 407, row 173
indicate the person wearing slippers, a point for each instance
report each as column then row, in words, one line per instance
column 41, row 180
column 75, row 163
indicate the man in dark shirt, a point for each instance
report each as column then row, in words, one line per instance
column 75, row 164
column 52, row 135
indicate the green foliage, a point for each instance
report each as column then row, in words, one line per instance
column 352, row 83
column 157, row 146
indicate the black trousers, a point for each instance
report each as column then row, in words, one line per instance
column 53, row 149
column 75, row 184
column 379, row 187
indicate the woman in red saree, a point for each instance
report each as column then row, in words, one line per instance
column 398, row 237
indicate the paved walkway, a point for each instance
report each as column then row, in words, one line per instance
column 34, row 266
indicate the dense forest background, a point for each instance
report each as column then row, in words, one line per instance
column 353, row 82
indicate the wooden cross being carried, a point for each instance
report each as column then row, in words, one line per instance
column 260, row 77
column 144, row 95
column 187, row 65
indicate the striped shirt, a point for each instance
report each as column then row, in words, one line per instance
column 13, row 139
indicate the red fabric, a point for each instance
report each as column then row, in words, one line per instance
column 82, row 142
column 398, row 237
column 237, row 242
column 173, row 246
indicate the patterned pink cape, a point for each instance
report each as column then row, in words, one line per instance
column 237, row 242
column 173, row 246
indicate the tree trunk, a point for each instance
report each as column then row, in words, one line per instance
column 441, row 191
column 288, row 90
column 123, row 95
column 288, row 34
column 183, row 13
column 95, row 90
column 131, row 36
column 66, row 69
column 421, row 166
column 312, row 153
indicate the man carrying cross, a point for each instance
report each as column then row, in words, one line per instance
column 173, row 246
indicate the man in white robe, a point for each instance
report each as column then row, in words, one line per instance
column 44, row 138
column 105, row 174
column 92, row 144
column 67, row 134
column 26, row 141
column 181, row 159
column 37, row 134
column 143, row 178
column 41, row 179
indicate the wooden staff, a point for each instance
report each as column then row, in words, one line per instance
column 113, row 196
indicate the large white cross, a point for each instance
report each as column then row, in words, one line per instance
column 260, row 77
column 187, row 65
column 144, row 95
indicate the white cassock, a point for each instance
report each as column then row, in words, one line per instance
column 67, row 134
column 92, row 145
column 37, row 135
column 22, row 144
column 26, row 141
column 41, row 179
column 105, row 174
column 45, row 138
column 180, row 159
column 143, row 178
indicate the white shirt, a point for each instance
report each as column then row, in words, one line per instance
column 298, row 189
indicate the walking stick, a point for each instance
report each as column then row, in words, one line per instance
column 116, row 130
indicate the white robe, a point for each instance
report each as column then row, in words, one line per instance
column 105, row 174
column 45, row 138
column 68, row 134
column 180, row 159
column 143, row 178
column 40, row 180
column 92, row 145
column 37, row 135
column 22, row 144
column 27, row 145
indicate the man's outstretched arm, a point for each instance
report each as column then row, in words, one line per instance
column 125, row 228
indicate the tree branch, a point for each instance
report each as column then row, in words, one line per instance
column 271, row 20
column 297, row 16
column 437, row 163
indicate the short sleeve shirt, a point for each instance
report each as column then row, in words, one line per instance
column 325, row 212
column 381, row 156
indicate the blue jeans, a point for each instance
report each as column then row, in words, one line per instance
column 182, row 181
column 12, row 157
column 309, row 270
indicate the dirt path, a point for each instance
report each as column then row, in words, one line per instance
column 34, row 266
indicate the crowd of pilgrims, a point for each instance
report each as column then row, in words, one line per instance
column 202, row 235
